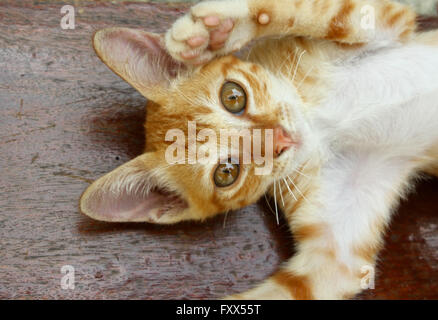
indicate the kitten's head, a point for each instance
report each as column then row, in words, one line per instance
column 188, row 111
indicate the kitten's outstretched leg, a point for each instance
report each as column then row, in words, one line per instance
column 338, row 229
column 219, row 27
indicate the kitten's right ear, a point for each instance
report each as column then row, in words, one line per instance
column 138, row 57
column 134, row 192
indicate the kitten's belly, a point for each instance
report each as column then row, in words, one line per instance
column 388, row 98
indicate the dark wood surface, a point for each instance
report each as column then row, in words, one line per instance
column 65, row 119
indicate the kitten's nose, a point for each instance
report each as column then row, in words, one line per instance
column 282, row 141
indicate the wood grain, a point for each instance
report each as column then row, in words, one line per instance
column 65, row 120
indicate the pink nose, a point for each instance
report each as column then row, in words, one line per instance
column 282, row 141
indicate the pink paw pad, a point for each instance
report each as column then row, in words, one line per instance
column 212, row 21
column 196, row 42
column 219, row 34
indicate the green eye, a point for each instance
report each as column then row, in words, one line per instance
column 233, row 97
column 226, row 174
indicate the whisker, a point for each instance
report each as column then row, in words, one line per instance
column 299, row 191
column 289, row 71
column 267, row 202
column 300, row 173
column 286, row 59
column 298, row 63
column 275, row 202
column 304, row 78
column 225, row 219
column 290, row 191
column 281, row 192
column 293, row 62
column 249, row 52
column 306, row 164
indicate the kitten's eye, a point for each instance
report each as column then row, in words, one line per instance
column 233, row 97
column 226, row 174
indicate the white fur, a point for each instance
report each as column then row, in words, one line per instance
column 381, row 114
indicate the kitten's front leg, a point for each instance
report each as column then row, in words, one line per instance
column 338, row 229
column 213, row 28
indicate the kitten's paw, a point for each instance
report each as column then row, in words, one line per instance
column 209, row 30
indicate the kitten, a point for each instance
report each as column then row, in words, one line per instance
column 353, row 107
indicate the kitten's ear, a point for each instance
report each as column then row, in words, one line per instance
column 138, row 57
column 134, row 193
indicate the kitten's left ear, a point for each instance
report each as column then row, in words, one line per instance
column 138, row 57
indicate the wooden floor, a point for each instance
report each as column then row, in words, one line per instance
column 65, row 120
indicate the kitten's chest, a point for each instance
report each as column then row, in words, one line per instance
column 373, row 98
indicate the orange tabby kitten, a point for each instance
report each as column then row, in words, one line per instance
column 331, row 79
